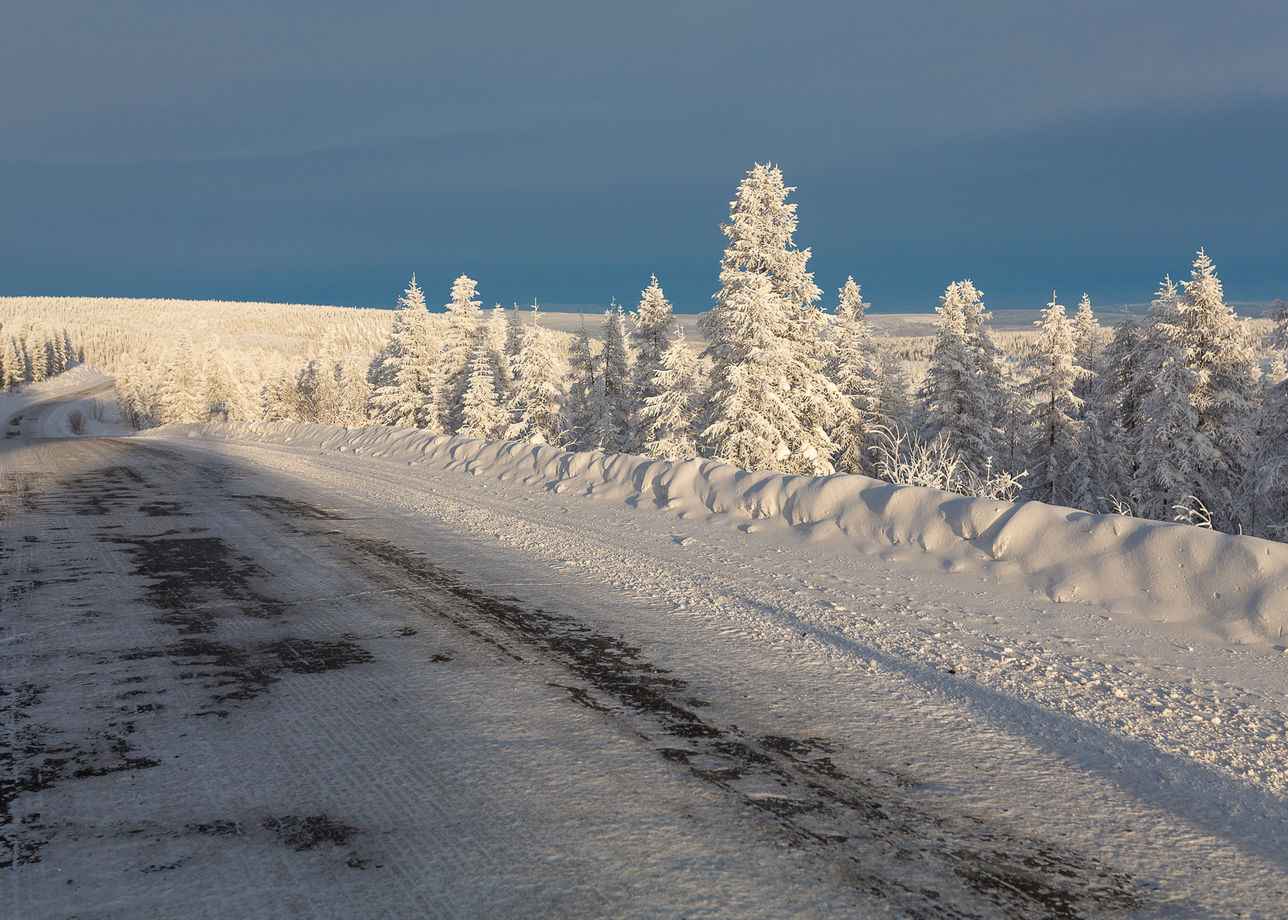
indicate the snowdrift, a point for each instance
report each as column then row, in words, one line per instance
column 1234, row 586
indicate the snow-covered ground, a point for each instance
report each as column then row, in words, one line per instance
column 1160, row 632
column 82, row 404
column 1097, row 686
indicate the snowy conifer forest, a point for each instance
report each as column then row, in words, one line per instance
column 1177, row 415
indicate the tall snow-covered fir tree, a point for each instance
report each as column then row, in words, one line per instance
column 655, row 330
column 39, row 358
column 533, row 406
column 183, row 393
column 58, row 353
column 1267, row 477
column 856, row 371
column 225, row 389
column 1175, row 452
column 748, row 420
column 14, row 367
column 1218, row 375
column 1054, row 449
column 498, row 333
column 482, row 414
column 406, row 378
column 767, row 357
column 464, row 320
column 584, row 380
column 1092, row 472
column 1087, row 347
column 612, row 408
column 514, row 334
column 134, row 395
column 670, row 415
column 1126, row 380
column 1277, row 341
column 961, row 385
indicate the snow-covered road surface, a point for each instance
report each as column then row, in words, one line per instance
column 255, row 679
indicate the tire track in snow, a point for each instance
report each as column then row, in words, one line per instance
column 878, row 840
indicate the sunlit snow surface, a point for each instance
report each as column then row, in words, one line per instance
column 1152, row 652
column 1114, row 686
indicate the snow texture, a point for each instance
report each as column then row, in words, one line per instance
column 1233, row 587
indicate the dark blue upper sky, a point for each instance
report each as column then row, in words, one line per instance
column 322, row 152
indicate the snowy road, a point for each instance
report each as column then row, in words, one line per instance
column 249, row 680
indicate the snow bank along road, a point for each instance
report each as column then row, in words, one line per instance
column 242, row 676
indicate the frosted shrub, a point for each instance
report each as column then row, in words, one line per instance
column 907, row 458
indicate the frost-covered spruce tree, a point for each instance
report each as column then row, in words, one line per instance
column 1125, row 382
column 498, row 334
column 961, row 385
column 991, row 376
column 1278, row 341
column 310, row 395
column 894, row 399
column 655, row 330
column 612, row 409
column 514, row 333
column 408, row 378
column 15, row 368
column 1209, row 341
column 58, row 353
column 225, row 396
column 39, row 358
column 8, row 361
column 788, row 401
column 584, row 381
column 132, row 397
column 277, row 396
column 534, row 400
column 183, row 395
column 670, row 415
column 1087, row 347
column 1174, row 451
column 1278, row 315
column 856, row 371
column 1054, row 411
column 748, row 421
column 354, row 393
column 464, row 319
column 482, row 415
column 1092, row 474
column 1267, row 478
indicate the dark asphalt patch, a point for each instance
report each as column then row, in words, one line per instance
column 195, row 583
column 39, row 757
column 190, row 577
column 307, row 832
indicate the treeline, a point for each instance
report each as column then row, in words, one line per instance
column 31, row 354
column 204, row 361
column 1178, row 415
column 1181, row 414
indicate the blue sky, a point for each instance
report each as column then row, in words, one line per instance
column 321, row 152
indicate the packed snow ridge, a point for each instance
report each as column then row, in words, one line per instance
column 1232, row 586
